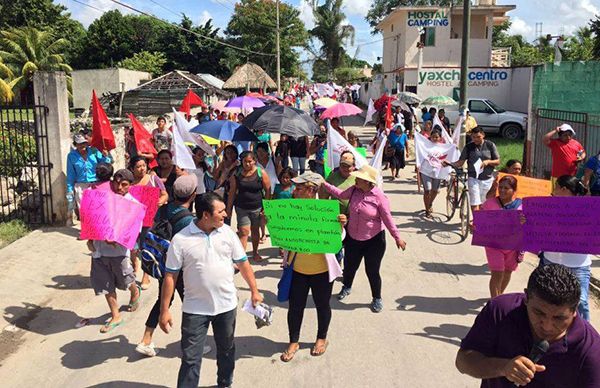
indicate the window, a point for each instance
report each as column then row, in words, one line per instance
column 428, row 36
column 479, row 107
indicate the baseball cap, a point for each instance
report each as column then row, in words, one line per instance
column 124, row 174
column 309, row 177
column 566, row 128
column 79, row 139
column 185, row 186
column 347, row 159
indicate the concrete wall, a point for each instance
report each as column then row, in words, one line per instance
column 103, row 80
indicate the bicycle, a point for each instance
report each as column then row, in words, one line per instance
column 457, row 197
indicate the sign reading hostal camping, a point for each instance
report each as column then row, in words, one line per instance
column 451, row 77
column 428, row 18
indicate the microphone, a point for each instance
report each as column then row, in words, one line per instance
column 538, row 350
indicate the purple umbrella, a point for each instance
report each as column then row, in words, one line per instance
column 245, row 103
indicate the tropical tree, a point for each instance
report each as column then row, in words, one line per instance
column 595, row 28
column 27, row 50
column 331, row 33
column 152, row 62
column 6, row 93
column 580, row 47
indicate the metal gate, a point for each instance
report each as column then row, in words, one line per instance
column 25, row 185
column 545, row 121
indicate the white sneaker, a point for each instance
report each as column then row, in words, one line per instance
column 206, row 349
column 146, row 350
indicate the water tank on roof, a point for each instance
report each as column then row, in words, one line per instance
column 486, row 2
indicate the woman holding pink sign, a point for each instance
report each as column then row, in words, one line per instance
column 143, row 177
column 503, row 262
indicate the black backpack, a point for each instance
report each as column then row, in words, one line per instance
column 156, row 244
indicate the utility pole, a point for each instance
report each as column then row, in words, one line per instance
column 464, row 61
column 278, row 51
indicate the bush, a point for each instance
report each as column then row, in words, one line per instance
column 12, row 231
column 17, row 150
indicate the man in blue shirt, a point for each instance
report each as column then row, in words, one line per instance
column 81, row 169
column 591, row 177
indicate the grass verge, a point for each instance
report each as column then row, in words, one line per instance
column 508, row 149
column 12, row 231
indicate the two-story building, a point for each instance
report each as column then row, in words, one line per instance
column 422, row 53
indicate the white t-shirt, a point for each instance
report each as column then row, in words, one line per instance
column 199, row 172
column 207, row 265
column 571, row 260
column 271, row 172
column 162, row 140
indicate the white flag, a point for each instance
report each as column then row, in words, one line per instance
column 370, row 112
column 377, row 160
column 336, row 144
column 445, row 135
column 182, row 155
column 430, row 155
column 457, row 130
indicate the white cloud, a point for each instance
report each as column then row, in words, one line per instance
column 87, row 14
column 520, row 27
column 306, row 14
column 205, row 17
column 357, row 7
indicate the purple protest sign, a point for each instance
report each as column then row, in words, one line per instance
column 498, row 229
column 149, row 196
column 562, row 224
column 108, row 216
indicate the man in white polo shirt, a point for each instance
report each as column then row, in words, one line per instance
column 205, row 251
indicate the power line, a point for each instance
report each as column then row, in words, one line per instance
column 165, row 8
column 88, row 5
column 190, row 31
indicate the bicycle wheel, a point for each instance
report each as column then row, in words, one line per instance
column 465, row 214
column 451, row 197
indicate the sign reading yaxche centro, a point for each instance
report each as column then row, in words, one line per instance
column 437, row 18
column 451, row 77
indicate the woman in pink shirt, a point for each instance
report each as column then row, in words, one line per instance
column 369, row 213
column 502, row 262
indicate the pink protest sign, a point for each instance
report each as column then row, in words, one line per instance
column 562, row 224
column 498, row 229
column 149, row 196
column 109, row 216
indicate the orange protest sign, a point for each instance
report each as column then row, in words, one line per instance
column 530, row 187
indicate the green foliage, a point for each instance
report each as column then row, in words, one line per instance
column 320, row 71
column 595, row 28
column 343, row 75
column 580, row 47
column 378, row 68
column 11, row 231
column 145, row 61
column 16, row 151
column 253, row 26
column 381, row 8
column 331, row 34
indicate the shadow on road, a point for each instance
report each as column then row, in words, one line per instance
column 70, row 282
column 125, row 384
column 440, row 305
column 86, row 354
column 447, row 332
column 436, row 229
column 454, row 269
column 40, row 319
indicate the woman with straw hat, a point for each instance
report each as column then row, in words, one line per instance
column 369, row 214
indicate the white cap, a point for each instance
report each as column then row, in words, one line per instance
column 566, row 128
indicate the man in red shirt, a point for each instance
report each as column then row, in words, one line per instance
column 566, row 151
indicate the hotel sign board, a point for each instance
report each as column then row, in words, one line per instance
column 437, row 18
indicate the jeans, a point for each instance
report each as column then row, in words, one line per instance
column 583, row 274
column 154, row 315
column 320, row 169
column 372, row 250
column 299, row 164
column 193, row 335
column 320, row 288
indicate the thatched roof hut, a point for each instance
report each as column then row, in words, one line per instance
column 250, row 76
column 156, row 97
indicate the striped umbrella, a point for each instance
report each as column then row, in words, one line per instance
column 439, row 101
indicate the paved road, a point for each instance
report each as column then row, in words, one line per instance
column 432, row 292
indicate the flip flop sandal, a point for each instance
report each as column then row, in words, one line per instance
column 314, row 353
column 134, row 304
column 288, row 356
column 108, row 327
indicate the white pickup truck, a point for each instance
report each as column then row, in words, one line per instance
column 493, row 119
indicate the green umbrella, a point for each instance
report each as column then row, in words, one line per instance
column 439, row 101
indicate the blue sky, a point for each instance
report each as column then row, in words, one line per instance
column 556, row 16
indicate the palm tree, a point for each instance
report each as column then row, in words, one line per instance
column 6, row 75
column 330, row 31
column 27, row 50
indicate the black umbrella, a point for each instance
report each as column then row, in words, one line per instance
column 282, row 119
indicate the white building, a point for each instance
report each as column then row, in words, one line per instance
column 422, row 53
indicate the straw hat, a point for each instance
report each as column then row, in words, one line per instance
column 366, row 173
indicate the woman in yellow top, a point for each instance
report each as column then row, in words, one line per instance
column 470, row 123
column 310, row 273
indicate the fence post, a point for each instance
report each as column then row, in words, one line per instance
column 50, row 90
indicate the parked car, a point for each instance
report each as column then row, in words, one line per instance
column 493, row 119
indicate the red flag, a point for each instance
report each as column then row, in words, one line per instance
column 191, row 99
column 143, row 140
column 102, row 134
column 389, row 121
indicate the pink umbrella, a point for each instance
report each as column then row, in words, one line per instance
column 221, row 106
column 340, row 110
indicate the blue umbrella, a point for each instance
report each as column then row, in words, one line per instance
column 225, row 130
